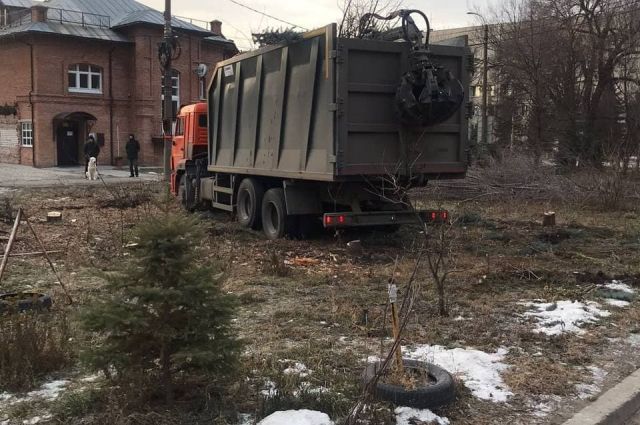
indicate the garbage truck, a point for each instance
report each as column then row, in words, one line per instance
column 327, row 130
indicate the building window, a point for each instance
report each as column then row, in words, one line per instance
column 26, row 133
column 85, row 79
column 175, row 92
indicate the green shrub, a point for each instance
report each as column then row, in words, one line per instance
column 166, row 314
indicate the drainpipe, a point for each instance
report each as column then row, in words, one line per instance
column 32, row 105
column 111, row 104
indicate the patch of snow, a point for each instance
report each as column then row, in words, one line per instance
column 91, row 378
column 270, row 389
column 617, row 303
column 309, row 389
column 585, row 390
column 36, row 420
column 564, row 316
column 460, row 319
column 299, row 369
column 50, row 390
column 409, row 416
column 245, row 419
column 616, row 285
column 480, row 371
column 634, row 340
column 297, row 417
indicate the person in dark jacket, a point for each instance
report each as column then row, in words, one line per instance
column 91, row 149
column 132, row 148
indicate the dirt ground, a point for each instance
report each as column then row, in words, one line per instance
column 317, row 303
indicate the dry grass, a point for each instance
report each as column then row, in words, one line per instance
column 32, row 345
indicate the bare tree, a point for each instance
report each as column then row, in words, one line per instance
column 354, row 10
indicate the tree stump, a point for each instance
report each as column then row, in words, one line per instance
column 549, row 219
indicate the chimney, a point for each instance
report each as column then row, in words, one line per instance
column 39, row 13
column 216, row 27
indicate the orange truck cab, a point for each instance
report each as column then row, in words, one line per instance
column 189, row 142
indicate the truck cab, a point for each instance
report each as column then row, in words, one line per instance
column 189, row 141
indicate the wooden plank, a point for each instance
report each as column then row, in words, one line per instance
column 12, row 238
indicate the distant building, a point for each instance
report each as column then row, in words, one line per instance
column 74, row 67
column 475, row 36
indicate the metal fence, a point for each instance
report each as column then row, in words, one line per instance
column 65, row 16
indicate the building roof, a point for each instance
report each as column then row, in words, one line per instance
column 91, row 32
column 17, row 3
column 100, row 18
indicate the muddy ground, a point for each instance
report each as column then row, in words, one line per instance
column 320, row 304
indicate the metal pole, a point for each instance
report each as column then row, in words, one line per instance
column 485, row 87
column 167, row 107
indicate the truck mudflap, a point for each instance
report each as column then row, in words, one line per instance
column 383, row 218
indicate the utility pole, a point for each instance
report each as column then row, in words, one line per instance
column 165, row 55
column 485, row 82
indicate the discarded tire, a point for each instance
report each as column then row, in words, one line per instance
column 438, row 390
column 24, row 301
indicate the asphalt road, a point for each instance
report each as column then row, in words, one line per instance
column 26, row 176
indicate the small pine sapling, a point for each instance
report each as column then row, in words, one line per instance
column 166, row 313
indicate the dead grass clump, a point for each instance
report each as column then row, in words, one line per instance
column 32, row 345
column 127, row 196
column 540, row 375
column 275, row 265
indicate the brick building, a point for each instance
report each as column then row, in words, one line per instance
column 74, row 67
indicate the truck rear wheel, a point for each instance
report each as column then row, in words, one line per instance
column 249, row 202
column 274, row 214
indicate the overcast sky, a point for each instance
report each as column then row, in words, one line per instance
column 239, row 22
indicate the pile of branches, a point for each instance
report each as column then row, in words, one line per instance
column 270, row 37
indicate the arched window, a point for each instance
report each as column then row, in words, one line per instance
column 85, row 78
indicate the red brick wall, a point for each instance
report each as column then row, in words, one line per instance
column 134, row 106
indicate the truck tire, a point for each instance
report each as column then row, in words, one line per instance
column 440, row 392
column 249, row 201
column 274, row 214
column 186, row 195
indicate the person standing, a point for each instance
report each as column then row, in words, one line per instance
column 132, row 148
column 91, row 149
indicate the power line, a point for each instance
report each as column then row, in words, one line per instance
column 267, row 15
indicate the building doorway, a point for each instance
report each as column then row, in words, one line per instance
column 71, row 130
column 68, row 141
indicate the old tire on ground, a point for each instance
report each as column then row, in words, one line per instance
column 24, row 301
column 249, row 201
column 274, row 214
column 438, row 393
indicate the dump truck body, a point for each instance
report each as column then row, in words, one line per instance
column 311, row 131
column 324, row 109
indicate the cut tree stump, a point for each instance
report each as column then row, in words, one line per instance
column 54, row 216
column 549, row 219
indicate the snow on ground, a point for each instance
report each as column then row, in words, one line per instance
column 297, row 417
column 36, row 420
column 564, row 316
column 480, row 371
column 50, row 390
column 586, row 391
column 616, row 285
column 617, row 303
column 410, row 416
column 269, row 390
column 298, row 368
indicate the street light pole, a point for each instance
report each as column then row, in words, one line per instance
column 485, row 81
column 166, row 53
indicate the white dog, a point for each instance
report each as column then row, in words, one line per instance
column 92, row 172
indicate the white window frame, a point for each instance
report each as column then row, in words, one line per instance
column 26, row 134
column 175, row 90
column 92, row 72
